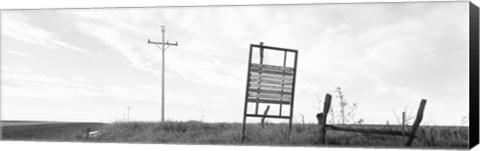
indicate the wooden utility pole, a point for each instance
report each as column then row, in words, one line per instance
column 403, row 123
column 128, row 113
column 163, row 44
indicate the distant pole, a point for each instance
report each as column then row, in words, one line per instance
column 403, row 123
column 163, row 65
column 128, row 113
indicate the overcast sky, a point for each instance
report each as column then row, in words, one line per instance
column 90, row 64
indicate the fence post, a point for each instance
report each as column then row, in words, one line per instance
column 87, row 135
column 322, row 118
column 265, row 114
column 418, row 119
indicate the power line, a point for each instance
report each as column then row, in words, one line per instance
column 163, row 44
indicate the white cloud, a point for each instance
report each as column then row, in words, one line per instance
column 120, row 30
column 18, row 53
column 201, row 69
column 25, row 83
column 110, row 36
column 184, row 60
column 30, row 34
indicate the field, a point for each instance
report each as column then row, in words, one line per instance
column 44, row 131
column 193, row 132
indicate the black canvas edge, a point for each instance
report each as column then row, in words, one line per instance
column 474, row 74
column 1, row 62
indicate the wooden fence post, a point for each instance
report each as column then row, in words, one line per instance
column 265, row 114
column 418, row 119
column 322, row 118
column 87, row 135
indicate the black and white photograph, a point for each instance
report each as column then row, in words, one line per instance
column 356, row 75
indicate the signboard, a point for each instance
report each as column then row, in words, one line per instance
column 270, row 84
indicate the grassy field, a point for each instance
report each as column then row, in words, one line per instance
column 45, row 131
column 193, row 132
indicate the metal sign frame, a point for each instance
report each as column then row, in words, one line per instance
column 264, row 82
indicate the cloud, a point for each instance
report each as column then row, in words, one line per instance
column 185, row 60
column 28, row 84
column 121, row 32
column 137, row 56
column 18, row 53
column 28, row 33
column 19, row 83
column 205, row 70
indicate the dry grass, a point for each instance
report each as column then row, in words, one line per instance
column 47, row 132
column 193, row 132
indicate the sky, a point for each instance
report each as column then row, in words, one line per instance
column 89, row 65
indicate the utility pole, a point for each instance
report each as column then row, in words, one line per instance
column 163, row 44
column 128, row 113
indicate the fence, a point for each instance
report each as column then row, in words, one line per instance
column 321, row 117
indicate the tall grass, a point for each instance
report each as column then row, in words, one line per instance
column 170, row 132
column 194, row 132
column 48, row 132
